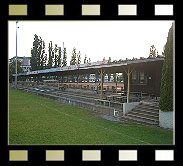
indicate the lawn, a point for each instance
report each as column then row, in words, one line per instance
column 37, row 120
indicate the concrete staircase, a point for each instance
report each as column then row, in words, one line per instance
column 145, row 113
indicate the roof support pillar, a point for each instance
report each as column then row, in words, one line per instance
column 128, row 88
column 102, row 81
column 77, row 79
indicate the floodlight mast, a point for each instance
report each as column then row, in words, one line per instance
column 16, row 58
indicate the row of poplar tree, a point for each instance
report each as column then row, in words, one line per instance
column 56, row 56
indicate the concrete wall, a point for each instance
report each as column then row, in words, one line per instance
column 166, row 119
column 129, row 106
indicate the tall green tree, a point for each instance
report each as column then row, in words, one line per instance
column 50, row 55
column 45, row 61
column 34, row 53
column 37, row 53
column 40, row 50
column 153, row 52
column 59, row 57
column 55, row 56
column 43, row 57
column 64, row 61
column 78, row 61
column 85, row 59
column 73, row 57
column 166, row 90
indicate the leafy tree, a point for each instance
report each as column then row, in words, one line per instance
column 78, row 58
column 37, row 59
column 50, row 56
column 85, row 59
column 43, row 57
column 166, row 90
column 12, row 62
column 40, row 49
column 55, row 56
column 89, row 60
column 34, row 53
column 59, row 57
column 152, row 52
column 73, row 57
column 45, row 62
column 64, row 62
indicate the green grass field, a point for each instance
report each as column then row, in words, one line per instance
column 37, row 120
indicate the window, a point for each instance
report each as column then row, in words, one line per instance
column 141, row 76
column 138, row 77
column 134, row 75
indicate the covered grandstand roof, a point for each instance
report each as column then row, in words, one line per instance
column 90, row 68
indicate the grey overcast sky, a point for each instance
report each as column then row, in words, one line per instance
column 96, row 39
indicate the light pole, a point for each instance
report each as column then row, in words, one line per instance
column 16, row 58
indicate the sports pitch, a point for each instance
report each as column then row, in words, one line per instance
column 35, row 120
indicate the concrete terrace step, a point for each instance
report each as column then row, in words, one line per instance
column 107, row 107
column 78, row 98
column 57, row 91
column 68, row 95
column 73, row 94
column 156, row 117
column 153, row 104
column 152, row 109
column 142, row 121
column 79, row 91
column 84, row 104
column 148, row 106
column 60, row 93
column 149, row 111
column 87, row 105
column 140, row 117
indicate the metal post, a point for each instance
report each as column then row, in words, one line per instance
column 77, row 79
column 128, row 90
column 98, row 82
column 62, row 78
column 101, row 89
column 16, row 58
column 116, row 83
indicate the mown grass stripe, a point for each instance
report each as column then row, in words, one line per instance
column 110, row 130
